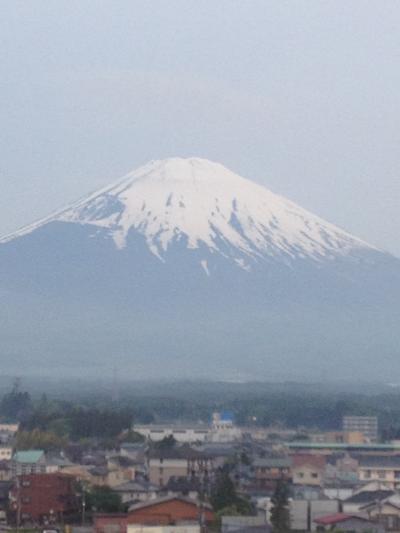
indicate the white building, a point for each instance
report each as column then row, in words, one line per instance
column 222, row 429
column 185, row 434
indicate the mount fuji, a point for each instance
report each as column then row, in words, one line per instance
column 184, row 269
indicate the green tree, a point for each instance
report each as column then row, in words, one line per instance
column 132, row 436
column 224, row 496
column 39, row 440
column 16, row 405
column 244, row 459
column 166, row 443
column 223, row 493
column 104, row 500
column 280, row 515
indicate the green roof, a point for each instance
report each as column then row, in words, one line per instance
column 342, row 446
column 29, row 456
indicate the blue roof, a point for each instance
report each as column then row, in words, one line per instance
column 28, row 456
column 227, row 416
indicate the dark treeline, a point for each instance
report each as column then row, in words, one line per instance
column 96, row 416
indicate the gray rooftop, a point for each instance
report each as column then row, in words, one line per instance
column 272, row 462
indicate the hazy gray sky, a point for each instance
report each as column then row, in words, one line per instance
column 302, row 96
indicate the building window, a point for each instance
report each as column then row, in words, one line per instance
column 314, row 475
column 26, row 483
column 367, row 474
column 381, row 474
column 300, row 474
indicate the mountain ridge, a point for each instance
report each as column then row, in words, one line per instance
column 213, row 300
column 203, row 202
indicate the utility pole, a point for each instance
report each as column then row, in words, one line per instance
column 83, row 507
column 18, row 503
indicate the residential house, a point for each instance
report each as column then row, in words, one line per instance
column 136, row 451
column 347, row 523
column 103, row 476
column 385, row 512
column 29, row 462
column 181, row 461
column 356, row 502
column 220, row 452
column 7, row 433
column 137, row 490
column 125, row 466
column 269, row 470
column 6, row 453
column 341, row 468
column 56, row 463
column 80, row 473
column 160, row 512
column 308, row 469
column 383, row 468
column 170, row 510
column 11, row 428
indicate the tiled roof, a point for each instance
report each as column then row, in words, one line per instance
column 272, row 462
column 391, row 501
column 137, row 486
column 165, row 499
column 316, row 461
column 379, row 461
column 337, row 518
column 180, row 452
column 368, row 496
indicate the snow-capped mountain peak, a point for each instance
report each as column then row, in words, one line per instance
column 206, row 206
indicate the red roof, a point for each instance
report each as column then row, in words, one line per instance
column 301, row 459
column 332, row 519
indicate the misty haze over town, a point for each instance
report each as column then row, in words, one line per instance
column 199, row 266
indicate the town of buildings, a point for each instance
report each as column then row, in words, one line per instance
column 345, row 480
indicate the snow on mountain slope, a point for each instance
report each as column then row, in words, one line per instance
column 203, row 204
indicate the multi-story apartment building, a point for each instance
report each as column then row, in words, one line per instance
column 367, row 425
column 177, row 463
column 44, row 498
column 385, row 469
